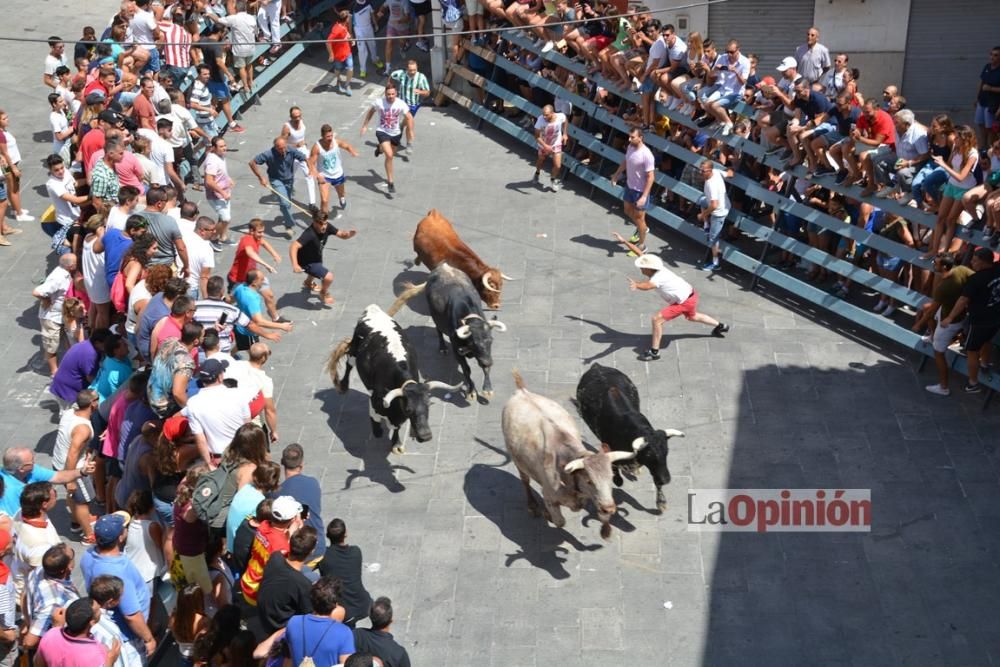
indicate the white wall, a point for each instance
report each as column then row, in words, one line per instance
column 873, row 35
column 697, row 16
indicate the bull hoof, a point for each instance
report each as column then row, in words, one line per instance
column 399, row 449
column 661, row 506
column 488, row 395
column 470, row 395
column 606, row 531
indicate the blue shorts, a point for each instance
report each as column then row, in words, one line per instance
column 984, row 117
column 342, row 65
column 632, row 196
column 648, row 86
column 154, row 61
column 887, row 263
column 715, row 225
column 335, row 181
column 414, row 108
column 3, row 189
column 316, row 270
column 220, row 91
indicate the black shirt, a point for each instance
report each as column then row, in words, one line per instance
column 381, row 645
column 312, row 243
column 242, row 544
column 212, row 52
column 344, row 562
column 983, row 292
column 284, row 592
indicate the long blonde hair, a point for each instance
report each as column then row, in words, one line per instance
column 696, row 47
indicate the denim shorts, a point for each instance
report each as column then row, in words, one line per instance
column 648, row 86
column 341, row 65
column 984, row 116
column 3, row 189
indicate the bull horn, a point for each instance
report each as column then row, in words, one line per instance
column 463, row 331
column 574, row 465
column 674, row 433
column 391, row 396
column 498, row 325
column 506, row 277
column 435, row 384
column 486, row 283
column 638, row 444
column 620, row 456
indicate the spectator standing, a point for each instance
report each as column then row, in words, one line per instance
column 715, row 207
column 981, row 300
column 378, row 641
column 393, row 115
column 318, row 635
column 950, row 283
column 104, row 181
column 812, row 57
column 173, row 368
column 144, row 541
column 169, row 242
column 988, row 101
column 305, row 489
column 242, row 37
column 50, row 295
column 177, row 46
column 220, row 78
column 219, row 191
column 264, row 482
column 34, row 532
column 251, row 301
column 201, row 256
column 639, row 167
column 213, row 309
column 189, row 621
column 200, row 101
column 92, row 264
column 115, row 243
column 159, row 306
column 9, row 603
column 48, row 588
column 272, row 536
column 74, row 435
column 72, row 645
column 61, row 188
column 281, row 162
column 551, row 135
column 19, row 470
column 216, row 412
column 105, row 592
column 343, row 562
column 284, row 588
column 55, row 59
column 12, row 155
column 79, row 368
column 253, row 372
column 115, row 370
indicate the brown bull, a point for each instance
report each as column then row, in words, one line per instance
column 436, row 242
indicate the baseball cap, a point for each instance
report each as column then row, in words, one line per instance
column 787, row 63
column 212, row 370
column 649, row 261
column 176, row 427
column 285, row 508
column 109, row 117
column 109, row 528
column 766, row 81
column 96, row 97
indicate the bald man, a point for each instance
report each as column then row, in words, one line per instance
column 281, row 162
column 252, row 372
column 19, row 470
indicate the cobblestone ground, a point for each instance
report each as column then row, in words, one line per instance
column 789, row 399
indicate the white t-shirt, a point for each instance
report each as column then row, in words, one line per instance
column 217, row 412
column 160, row 152
column 390, row 116
column 58, row 123
column 913, row 143
column 715, row 189
column 143, row 26
column 677, row 52
column 12, row 150
column 243, row 32
column 957, row 162
column 54, row 287
column 727, row 77
column 657, row 53
column 117, row 218
column 671, row 287
column 216, row 166
column 551, row 130
column 92, row 265
column 200, row 255
column 64, row 438
column 52, row 63
column 255, row 378
column 30, row 546
column 66, row 212
column 138, row 293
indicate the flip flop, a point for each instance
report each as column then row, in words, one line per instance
column 327, row 299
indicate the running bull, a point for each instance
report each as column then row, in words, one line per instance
column 609, row 404
column 436, row 241
column 545, row 445
column 387, row 365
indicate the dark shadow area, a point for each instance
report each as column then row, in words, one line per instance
column 302, row 299
column 617, row 340
column 434, row 365
column 525, row 187
column 347, row 415
column 918, row 588
column 41, row 191
column 609, row 246
column 416, row 276
column 491, row 489
column 371, row 181
column 44, row 137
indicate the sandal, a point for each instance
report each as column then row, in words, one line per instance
column 327, row 299
column 308, row 284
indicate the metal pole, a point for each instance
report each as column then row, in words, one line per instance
column 439, row 47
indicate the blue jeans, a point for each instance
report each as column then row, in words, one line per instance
column 929, row 180
column 285, row 190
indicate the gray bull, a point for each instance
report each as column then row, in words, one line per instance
column 545, row 445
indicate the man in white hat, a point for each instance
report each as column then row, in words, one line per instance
column 681, row 298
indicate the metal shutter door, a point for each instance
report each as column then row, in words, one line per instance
column 946, row 47
column 771, row 29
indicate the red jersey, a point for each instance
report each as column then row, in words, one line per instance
column 341, row 50
column 242, row 262
column 92, row 142
column 883, row 125
column 267, row 541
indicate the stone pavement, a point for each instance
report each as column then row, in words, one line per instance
column 790, row 398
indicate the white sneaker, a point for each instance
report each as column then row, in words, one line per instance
column 727, row 129
column 926, row 339
column 938, row 389
column 549, row 45
column 24, row 217
column 880, row 306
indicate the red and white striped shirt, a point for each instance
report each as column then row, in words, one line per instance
column 177, row 51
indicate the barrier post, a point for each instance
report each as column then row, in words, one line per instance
column 439, row 47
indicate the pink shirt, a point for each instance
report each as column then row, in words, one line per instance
column 112, row 434
column 60, row 650
column 638, row 162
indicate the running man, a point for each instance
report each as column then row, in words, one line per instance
column 551, row 136
column 293, row 131
column 412, row 85
column 681, row 298
column 280, row 177
column 306, row 254
column 327, row 167
column 392, row 115
column 640, row 172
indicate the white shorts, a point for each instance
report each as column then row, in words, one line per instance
column 943, row 336
column 223, row 208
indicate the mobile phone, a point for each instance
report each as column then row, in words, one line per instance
column 223, row 318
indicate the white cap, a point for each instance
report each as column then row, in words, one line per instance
column 649, row 261
column 285, row 508
column 787, row 63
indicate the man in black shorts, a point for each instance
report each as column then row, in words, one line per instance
column 981, row 297
column 392, row 114
column 306, row 254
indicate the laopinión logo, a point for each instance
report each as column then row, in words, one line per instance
column 779, row 510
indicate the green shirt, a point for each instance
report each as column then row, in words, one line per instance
column 950, row 288
column 408, row 86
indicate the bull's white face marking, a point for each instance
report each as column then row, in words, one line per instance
column 378, row 321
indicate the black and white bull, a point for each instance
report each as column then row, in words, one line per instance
column 458, row 314
column 387, row 365
column 609, row 404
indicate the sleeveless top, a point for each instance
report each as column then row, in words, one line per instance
column 67, row 424
column 296, row 137
column 328, row 164
column 145, row 554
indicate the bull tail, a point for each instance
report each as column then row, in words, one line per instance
column 518, row 380
column 334, row 362
column 409, row 291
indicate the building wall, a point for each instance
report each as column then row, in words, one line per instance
column 697, row 17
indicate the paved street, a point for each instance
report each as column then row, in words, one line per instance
column 790, row 398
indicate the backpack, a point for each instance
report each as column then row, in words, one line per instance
column 213, row 495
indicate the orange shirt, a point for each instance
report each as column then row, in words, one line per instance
column 341, row 50
column 267, row 540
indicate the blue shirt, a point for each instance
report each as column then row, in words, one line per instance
column 250, row 302
column 306, row 490
column 113, row 373
column 135, row 596
column 155, row 311
column 321, row 638
column 115, row 245
column 244, row 504
column 280, row 167
column 10, row 504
